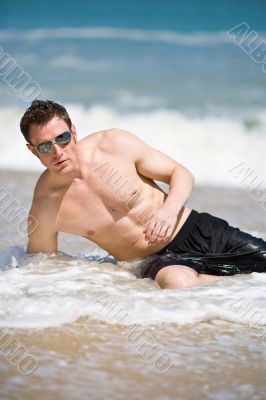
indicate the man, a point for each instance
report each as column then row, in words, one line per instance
column 102, row 187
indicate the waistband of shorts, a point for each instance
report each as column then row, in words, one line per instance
column 186, row 227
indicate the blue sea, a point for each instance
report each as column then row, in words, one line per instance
column 166, row 70
column 136, row 55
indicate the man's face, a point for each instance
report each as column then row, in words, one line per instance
column 61, row 159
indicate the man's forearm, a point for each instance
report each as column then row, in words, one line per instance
column 180, row 188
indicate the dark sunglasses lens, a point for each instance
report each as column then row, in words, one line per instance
column 61, row 140
column 45, row 148
column 64, row 139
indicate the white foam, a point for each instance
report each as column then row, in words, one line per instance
column 108, row 33
column 71, row 61
column 209, row 145
column 32, row 295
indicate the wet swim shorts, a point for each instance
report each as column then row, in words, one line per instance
column 209, row 245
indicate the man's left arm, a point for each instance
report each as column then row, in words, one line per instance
column 163, row 222
column 158, row 166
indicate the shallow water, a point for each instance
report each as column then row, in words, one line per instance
column 91, row 329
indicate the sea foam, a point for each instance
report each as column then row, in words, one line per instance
column 32, row 293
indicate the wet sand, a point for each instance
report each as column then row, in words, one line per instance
column 93, row 359
column 90, row 360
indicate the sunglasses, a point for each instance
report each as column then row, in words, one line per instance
column 62, row 140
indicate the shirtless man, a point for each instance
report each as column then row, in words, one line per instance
column 102, row 188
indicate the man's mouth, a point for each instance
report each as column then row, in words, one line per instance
column 60, row 162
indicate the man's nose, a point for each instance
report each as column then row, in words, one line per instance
column 57, row 150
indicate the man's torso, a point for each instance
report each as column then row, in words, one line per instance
column 110, row 205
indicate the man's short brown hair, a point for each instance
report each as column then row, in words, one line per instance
column 40, row 112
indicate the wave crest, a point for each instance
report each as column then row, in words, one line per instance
column 137, row 35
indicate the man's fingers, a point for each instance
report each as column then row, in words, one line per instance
column 149, row 229
column 155, row 232
column 158, row 231
column 163, row 230
column 163, row 234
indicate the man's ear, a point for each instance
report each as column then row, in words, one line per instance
column 74, row 133
column 32, row 149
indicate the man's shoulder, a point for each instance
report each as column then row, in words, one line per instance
column 41, row 202
column 116, row 138
column 41, row 186
column 104, row 135
column 116, row 134
column 117, row 141
column 108, row 140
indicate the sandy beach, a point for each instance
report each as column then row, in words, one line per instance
column 93, row 330
column 93, row 360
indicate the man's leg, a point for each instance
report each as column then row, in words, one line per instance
column 180, row 276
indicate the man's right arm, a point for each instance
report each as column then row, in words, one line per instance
column 43, row 238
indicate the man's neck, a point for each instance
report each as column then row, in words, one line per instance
column 67, row 179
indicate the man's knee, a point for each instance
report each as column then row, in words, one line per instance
column 176, row 277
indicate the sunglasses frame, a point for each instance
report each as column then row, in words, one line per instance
column 53, row 142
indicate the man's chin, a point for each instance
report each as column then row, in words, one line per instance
column 61, row 169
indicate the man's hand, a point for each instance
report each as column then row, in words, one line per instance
column 160, row 226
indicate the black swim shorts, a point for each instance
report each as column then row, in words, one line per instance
column 209, row 245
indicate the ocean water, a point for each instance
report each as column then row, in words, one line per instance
column 168, row 72
column 33, row 288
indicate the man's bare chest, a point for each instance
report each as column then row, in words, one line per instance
column 91, row 207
